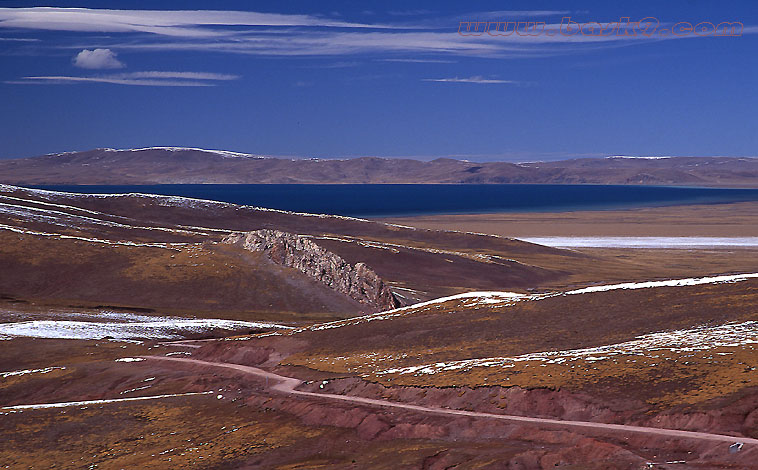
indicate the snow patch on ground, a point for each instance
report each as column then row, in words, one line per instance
column 668, row 283
column 17, row 408
column 135, row 389
column 109, row 316
column 173, row 201
column 171, row 246
column 157, row 329
column 644, row 242
column 677, row 341
column 471, row 299
column 101, row 316
column 16, row 373
column 64, row 219
column 491, row 299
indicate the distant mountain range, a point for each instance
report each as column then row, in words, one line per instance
column 166, row 165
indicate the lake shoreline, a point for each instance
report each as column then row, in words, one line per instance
column 400, row 201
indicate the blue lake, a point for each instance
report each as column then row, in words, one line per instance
column 383, row 200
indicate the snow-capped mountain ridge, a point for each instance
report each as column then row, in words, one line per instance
column 189, row 165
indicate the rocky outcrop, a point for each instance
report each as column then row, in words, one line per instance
column 357, row 281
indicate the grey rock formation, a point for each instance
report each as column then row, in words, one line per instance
column 357, row 281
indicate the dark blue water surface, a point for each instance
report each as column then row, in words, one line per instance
column 377, row 200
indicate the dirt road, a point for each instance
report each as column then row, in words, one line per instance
column 289, row 385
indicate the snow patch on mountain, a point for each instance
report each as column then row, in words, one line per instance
column 222, row 153
column 637, row 158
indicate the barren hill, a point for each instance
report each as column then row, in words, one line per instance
column 167, row 165
column 179, row 255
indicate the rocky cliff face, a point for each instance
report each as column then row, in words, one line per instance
column 357, row 281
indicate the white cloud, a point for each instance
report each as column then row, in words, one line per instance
column 149, row 78
column 474, row 79
column 180, row 23
column 273, row 34
column 61, row 79
column 97, row 59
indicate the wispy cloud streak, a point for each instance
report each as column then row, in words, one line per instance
column 474, row 79
column 149, row 78
column 178, row 23
column 273, row 34
column 432, row 44
column 419, row 61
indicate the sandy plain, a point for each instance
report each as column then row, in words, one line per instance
column 707, row 220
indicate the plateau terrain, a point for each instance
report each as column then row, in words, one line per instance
column 145, row 331
column 378, row 235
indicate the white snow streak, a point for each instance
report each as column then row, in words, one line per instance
column 677, row 341
column 668, row 283
column 159, row 329
column 170, row 246
column 15, row 373
column 223, row 153
column 644, row 242
column 470, row 299
column 135, row 389
column 187, row 228
column 65, row 219
column 476, row 299
column 175, row 201
column 16, row 408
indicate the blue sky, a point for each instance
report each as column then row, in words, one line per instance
column 389, row 78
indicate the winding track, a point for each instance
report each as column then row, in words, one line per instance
column 288, row 385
